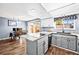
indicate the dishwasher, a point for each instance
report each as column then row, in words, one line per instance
column 49, row 40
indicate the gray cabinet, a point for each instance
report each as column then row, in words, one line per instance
column 46, row 44
column 54, row 40
column 59, row 40
column 69, row 42
column 38, row 47
column 31, row 48
column 43, row 45
column 72, row 43
column 65, row 41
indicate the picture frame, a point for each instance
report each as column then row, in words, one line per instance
column 12, row 23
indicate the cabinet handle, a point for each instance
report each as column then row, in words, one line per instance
column 44, row 43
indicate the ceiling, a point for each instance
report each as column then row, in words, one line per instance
column 52, row 6
column 28, row 11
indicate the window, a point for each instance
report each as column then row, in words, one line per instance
column 58, row 23
column 12, row 23
column 67, row 22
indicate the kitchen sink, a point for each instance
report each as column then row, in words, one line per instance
column 63, row 33
column 42, row 34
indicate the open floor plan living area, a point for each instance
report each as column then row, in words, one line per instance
column 39, row 28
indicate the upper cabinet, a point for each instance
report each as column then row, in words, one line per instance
column 47, row 22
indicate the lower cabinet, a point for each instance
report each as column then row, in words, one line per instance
column 54, row 40
column 31, row 47
column 38, row 47
column 40, row 50
column 69, row 42
column 43, row 45
column 64, row 42
column 72, row 43
column 59, row 41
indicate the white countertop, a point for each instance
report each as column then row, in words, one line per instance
column 75, row 34
column 47, row 32
column 34, row 36
column 29, row 37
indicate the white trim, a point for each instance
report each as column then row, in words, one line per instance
column 5, row 38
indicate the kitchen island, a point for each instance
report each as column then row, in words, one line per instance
column 36, row 44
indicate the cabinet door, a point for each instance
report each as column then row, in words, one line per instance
column 54, row 40
column 64, row 42
column 31, row 48
column 59, row 41
column 42, row 45
column 72, row 44
column 46, row 44
column 40, row 50
column 40, row 41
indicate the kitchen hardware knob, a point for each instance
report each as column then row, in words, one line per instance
column 44, row 43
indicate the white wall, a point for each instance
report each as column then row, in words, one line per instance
column 47, row 22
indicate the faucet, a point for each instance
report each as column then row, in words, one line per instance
column 62, row 30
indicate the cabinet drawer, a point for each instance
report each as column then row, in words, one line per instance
column 31, row 51
column 54, row 42
column 40, row 50
column 41, row 43
column 46, row 48
column 40, row 53
column 40, row 40
column 46, row 42
column 64, row 46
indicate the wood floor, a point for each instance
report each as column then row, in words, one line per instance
column 15, row 48
column 54, row 50
column 12, row 48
